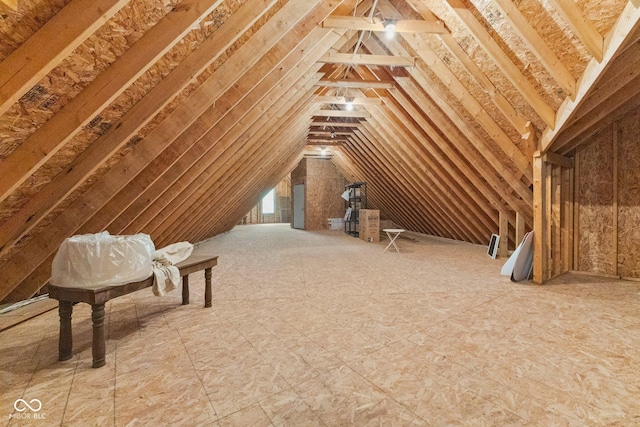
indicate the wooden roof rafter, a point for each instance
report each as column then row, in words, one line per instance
column 43, row 51
column 29, row 215
column 510, row 70
column 61, row 128
column 37, row 264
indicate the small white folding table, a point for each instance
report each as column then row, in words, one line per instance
column 393, row 234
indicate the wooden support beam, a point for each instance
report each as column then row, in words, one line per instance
column 583, row 28
column 102, row 91
column 357, row 84
column 520, row 228
column 341, row 113
column 363, row 59
column 540, row 219
column 464, row 140
column 185, row 161
column 45, row 49
column 341, row 100
column 361, row 23
column 453, row 158
column 503, row 245
column 335, row 124
column 558, row 160
column 323, row 142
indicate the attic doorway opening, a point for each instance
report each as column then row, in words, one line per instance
column 273, row 206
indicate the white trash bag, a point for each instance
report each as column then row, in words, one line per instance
column 97, row 260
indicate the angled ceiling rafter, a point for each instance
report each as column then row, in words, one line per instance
column 80, row 169
column 476, row 110
column 48, row 47
column 624, row 30
column 22, row 267
column 52, row 136
column 502, row 61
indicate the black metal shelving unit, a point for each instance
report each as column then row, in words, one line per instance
column 357, row 200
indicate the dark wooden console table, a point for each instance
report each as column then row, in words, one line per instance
column 98, row 297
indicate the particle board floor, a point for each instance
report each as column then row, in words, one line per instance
column 319, row 328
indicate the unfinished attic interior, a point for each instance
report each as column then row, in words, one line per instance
column 465, row 118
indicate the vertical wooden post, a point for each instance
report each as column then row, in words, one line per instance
column 503, row 245
column 519, row 228
column 539, row 220
column 576, row 212
column 567, row 219
column 614, row 232
column 555, row 237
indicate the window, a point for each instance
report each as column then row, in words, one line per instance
column 269, row 203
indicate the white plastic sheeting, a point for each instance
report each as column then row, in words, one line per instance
column 97, row 260
column 166, row 276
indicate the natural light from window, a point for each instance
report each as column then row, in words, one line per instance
column 269, row 203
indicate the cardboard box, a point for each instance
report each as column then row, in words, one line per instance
column 370, row 225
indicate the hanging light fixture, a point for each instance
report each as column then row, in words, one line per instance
column 390, row 27
column 349, row 103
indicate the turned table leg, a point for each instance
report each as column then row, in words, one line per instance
column 207, row 287
column 99, row 348
column 65, row 340
column 185, row 290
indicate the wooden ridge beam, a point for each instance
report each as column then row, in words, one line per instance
column 78, row 171
column 102, row 91
column 48, row 47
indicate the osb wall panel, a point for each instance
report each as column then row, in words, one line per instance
column 595, row 198
column 629, row 194
column 324, row 185
column 299, row 174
